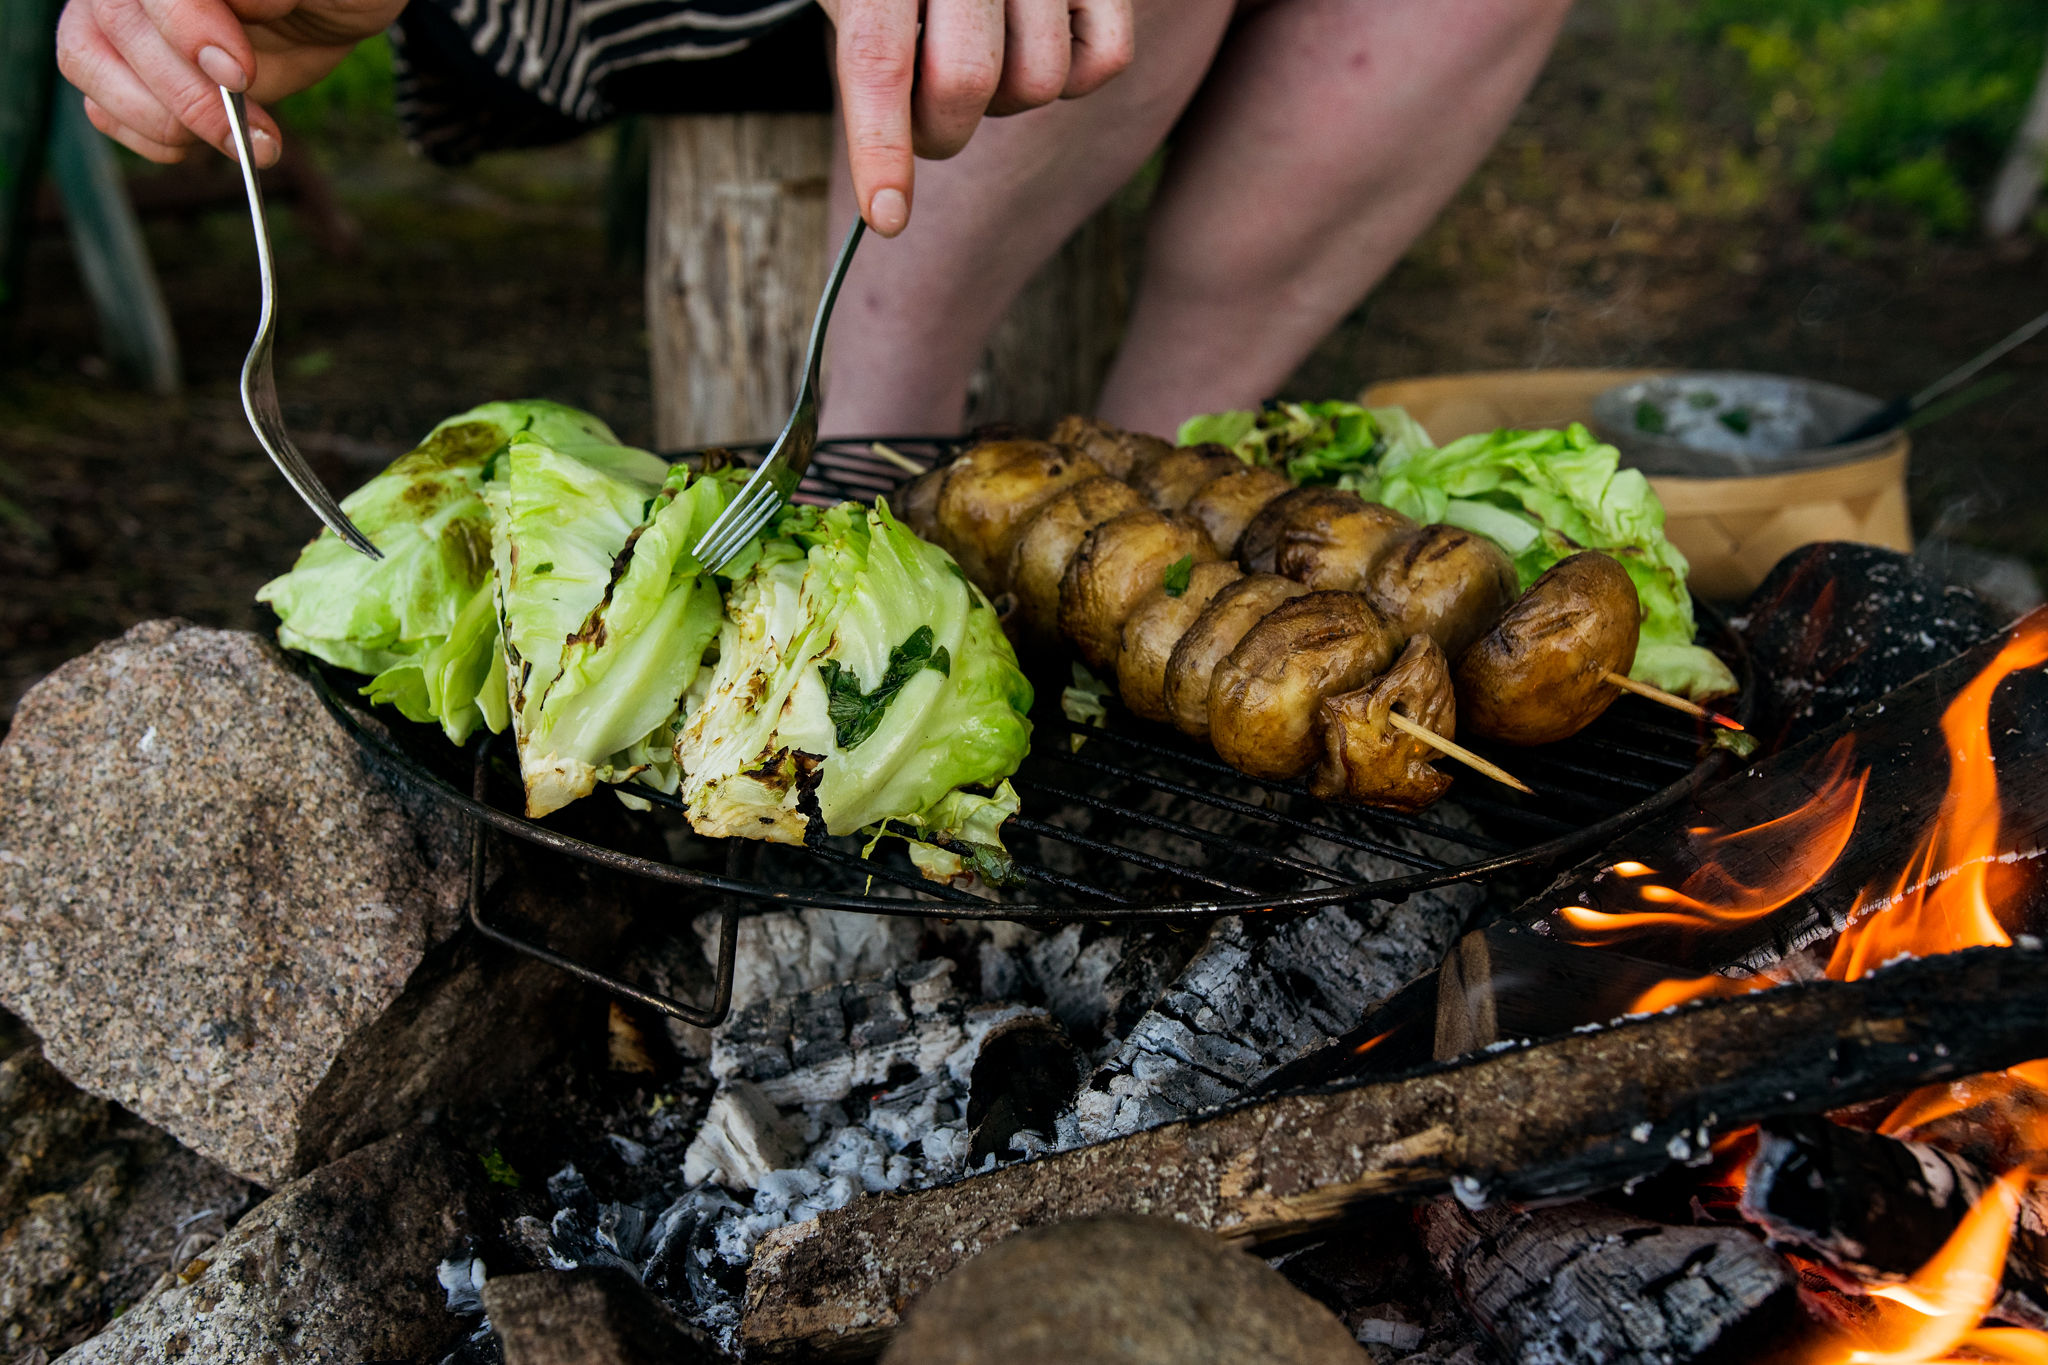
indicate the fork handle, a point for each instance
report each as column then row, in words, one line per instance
column 816, row 352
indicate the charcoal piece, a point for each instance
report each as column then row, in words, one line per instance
column 590, row 1317
column 1585, row 1112
column 1118, row 1291
column 1579, row 1284
column 1022, row 1079
column 1261, row 992
column 1879, row 1207
column 682, row 1261
column 1837, row 624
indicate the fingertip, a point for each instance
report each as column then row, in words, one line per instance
column 265, row 146
column 889, row 211
column 222, row 69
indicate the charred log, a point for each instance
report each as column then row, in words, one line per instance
column 1836, row 625
column 1520, row 1123
column 1879, row 1208
column 1579, row 1284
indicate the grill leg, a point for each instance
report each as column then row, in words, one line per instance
column 708, row 1016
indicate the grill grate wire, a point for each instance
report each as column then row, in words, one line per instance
column 1131, row 821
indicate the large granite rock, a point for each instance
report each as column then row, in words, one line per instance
column 337, row 1268
column 1118, row 1291
column 215, row 912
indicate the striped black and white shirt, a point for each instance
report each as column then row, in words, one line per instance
column 481, row 75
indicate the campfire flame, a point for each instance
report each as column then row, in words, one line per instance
column 1946, row 898
column 1937, row 1312
column 1942, row 901
column 1743, row 875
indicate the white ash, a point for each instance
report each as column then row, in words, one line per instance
column 743, row 1138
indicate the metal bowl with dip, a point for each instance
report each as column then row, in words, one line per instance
column 1733, row 423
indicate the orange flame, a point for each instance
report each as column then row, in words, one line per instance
column 1937, row 1312
column 1942, row 901
column 1789, row 855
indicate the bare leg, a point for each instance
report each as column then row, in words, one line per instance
column 917, row 310
column 1329, row 135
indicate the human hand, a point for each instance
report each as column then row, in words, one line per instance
column 149, row 69
column 903, row 98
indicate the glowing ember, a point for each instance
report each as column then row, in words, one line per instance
column 1744, row 875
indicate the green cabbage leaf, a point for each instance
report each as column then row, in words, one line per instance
column 421, row 619
column 1545, row 495
column 860, row 680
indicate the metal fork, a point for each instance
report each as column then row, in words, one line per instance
column 259, row 384
column 776, row 478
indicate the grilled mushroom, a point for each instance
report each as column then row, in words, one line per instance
column 1048, row 540
column 1443, row 582
column 989, row 492
column 1324, row 537
column 1118, row 563
column 1168, row 481
column 1155, row 626
column 1540, row 674
column 1265, row 702
column 918, row 502
column 1365, row 759
column 1192, row 666
column 1226, row 504
column 1116, row 450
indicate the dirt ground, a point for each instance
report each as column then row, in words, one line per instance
column 1621, row 221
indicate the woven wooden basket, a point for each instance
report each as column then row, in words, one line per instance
column 1733, row 530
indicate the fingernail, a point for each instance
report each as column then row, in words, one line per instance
column 888, row 211
column 264, row 146
column 222, row 69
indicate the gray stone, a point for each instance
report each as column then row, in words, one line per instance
column 216, row 912
column 336, row 1268
column 1118, row 1291
column 594, row 1315
column 95, row 1206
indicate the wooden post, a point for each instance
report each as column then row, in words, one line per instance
column 735, row 262
column 736, row 244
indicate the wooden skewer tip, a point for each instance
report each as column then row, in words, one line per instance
column 896, row 457
column 1452, row 749
column 1672, row 700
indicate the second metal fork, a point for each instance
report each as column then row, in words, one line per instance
column 259, row 383
column 762, row 497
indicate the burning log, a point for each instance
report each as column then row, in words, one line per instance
column 1585, row 1285
column 1878, row 1208
column 1781, row 856
column 1519, row 1124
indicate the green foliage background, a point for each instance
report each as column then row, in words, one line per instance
column 1892, row 109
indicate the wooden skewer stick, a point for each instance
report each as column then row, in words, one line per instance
column 895, row 457
column 1451, row 749
column 1676, row 703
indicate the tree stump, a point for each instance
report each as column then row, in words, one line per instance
column 736, row 243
